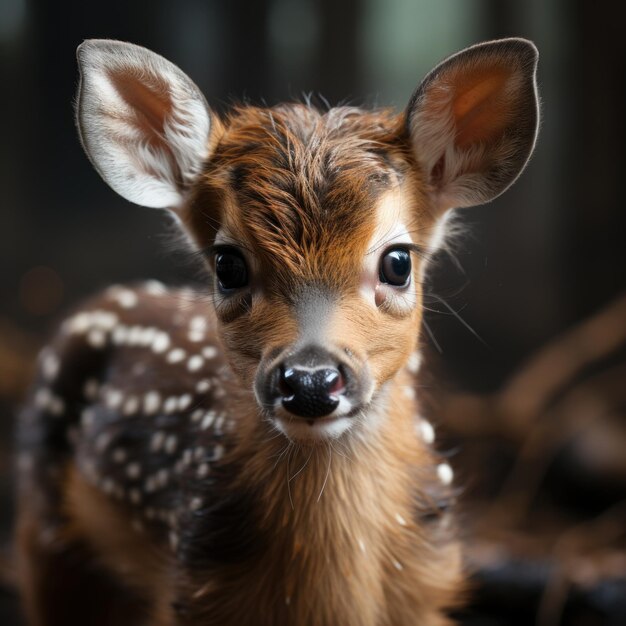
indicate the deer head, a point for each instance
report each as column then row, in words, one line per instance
column 316, row 226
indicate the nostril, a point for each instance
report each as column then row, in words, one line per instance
column 286, row 383
column 335, row 382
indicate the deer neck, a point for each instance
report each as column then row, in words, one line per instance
column 340, row 519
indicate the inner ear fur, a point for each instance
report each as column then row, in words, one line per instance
column 473, row 121
column 142, row 121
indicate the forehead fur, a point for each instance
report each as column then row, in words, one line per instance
column 301, row 183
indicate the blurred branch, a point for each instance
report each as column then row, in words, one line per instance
column 539, row 383
column 549, row 531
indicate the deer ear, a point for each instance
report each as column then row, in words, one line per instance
column 473, row 121
column 143, row 123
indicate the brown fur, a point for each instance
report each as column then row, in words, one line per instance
column 310, row 549
column 149, row 467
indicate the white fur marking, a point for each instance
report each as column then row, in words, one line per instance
column 50, row 365
column 202, row 386
column 414, row 362
column 426, row 431
column 176, row 355
column 133, row 470
column 184, row 401
column 171, row 443
column 209, row 352
column 195, row 363
column 151, row 402
column 170, row 405
column 445, row 473
column 131, row 406
column 161, row 342
column 96, row 338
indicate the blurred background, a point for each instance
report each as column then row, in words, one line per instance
column 526, row 331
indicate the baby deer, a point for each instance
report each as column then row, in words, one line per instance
column 251, row 452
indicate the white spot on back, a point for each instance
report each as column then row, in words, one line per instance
column 176, row 355
column 113, row 398
column 445, row 473
column 170, row 405
column 195, row 336
column 162, row 477
column 151, row 402
column 102, row 442
column 196, row 416
column 42, row 398
column 426, row 431
column 209, row 352
column 87, row 417
column 197, row 323
column 173, row 540
column 49, row 365
column 96, row 338
column 195, row 363
column 133, row 470
column 208, row 420
column 202, row 386
column 154, row 287
column 131, row 406
column 171, row 444
column 161, row 342
column 126, row 298
column 120, row 335
column 218, row 452
column 184, row 401
column 157, row 440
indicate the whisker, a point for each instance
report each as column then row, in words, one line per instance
column 431, row 335
column 337, row 451
column 282, row 453
column 303, row 466
column 330, row 457
column 465, row 324
column 289, row 482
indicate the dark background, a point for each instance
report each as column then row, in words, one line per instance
column 536, row 261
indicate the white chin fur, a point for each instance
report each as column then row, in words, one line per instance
column 298, row 429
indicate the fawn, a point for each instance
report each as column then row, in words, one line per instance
column 252, row 452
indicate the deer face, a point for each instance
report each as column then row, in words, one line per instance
column 315, row 226
column 316, row 258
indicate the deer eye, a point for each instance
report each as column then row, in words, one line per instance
column 231, row 270
column 395, row 267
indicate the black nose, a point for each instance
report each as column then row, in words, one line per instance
column 310, row 392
